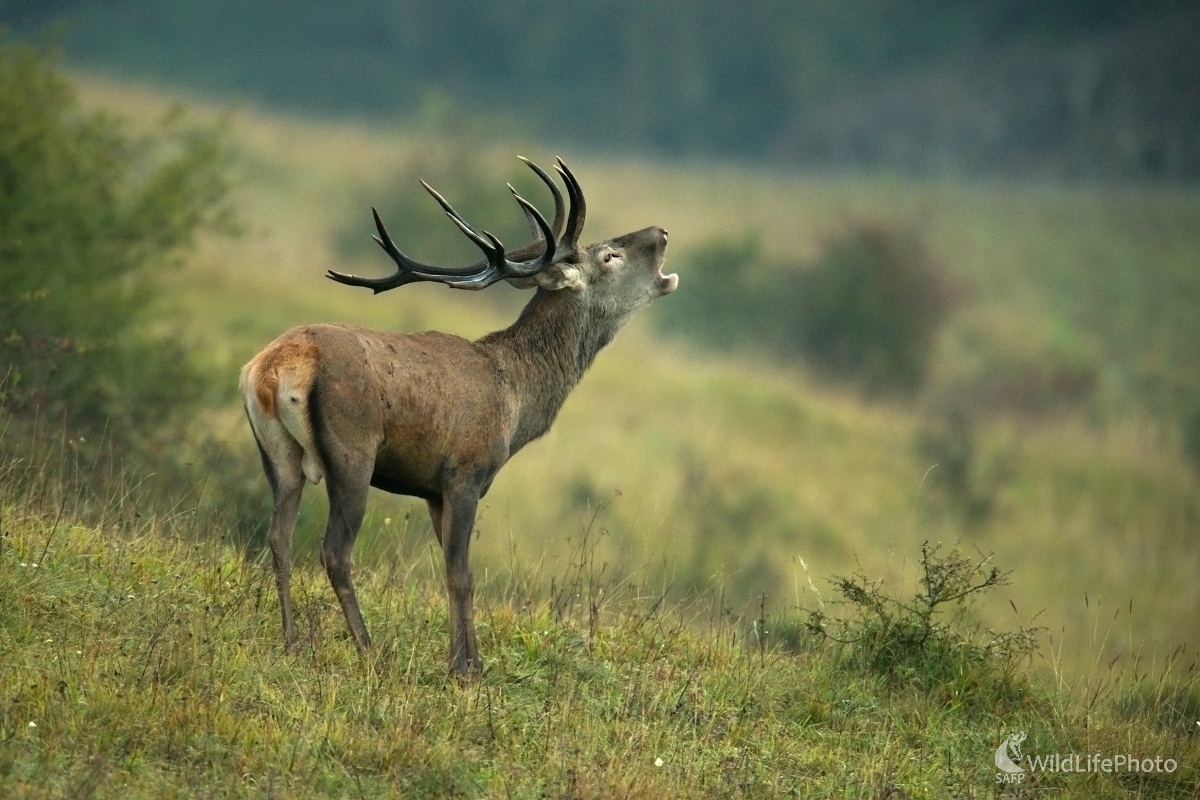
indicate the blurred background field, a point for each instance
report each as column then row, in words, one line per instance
column 865, row 352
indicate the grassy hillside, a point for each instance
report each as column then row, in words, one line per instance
column 629, row 564
column 141, row 658
column 732, row 473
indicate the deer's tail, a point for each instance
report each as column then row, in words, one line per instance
column 276, row 387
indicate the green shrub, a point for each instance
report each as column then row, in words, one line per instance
column 868, row 310
column 872, row 306
column 996, row 360
column 929, row 640
column 1191, row 437
column 724, row 306
column 89, row 217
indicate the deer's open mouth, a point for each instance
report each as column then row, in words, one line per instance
column 666, row 283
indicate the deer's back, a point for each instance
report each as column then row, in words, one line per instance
column 417, row 404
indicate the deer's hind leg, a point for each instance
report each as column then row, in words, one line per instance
column 347, row 506
column 281, row 459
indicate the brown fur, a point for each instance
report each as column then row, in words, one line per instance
column 431, row 415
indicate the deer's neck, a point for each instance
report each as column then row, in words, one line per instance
column 544, row 354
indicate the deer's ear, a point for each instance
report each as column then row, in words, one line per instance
column 560, row 276
column 553, row 278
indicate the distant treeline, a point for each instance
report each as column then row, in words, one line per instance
column 835, row 83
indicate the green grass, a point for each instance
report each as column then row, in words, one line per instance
column 721, row 478
column 721, row 471
column 142, row 657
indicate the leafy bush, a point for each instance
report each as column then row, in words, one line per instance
column 929, row 640
column 872, row 305
column 725, row 306
column 1191, row 437
column 89, row 215
column 965, row 474
column 868, row 309
column 995, row 360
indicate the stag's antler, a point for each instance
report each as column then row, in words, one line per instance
column 570, row 240
column 533, row 247
column 546, row 248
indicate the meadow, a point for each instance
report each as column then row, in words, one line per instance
column 709, row 489
column 727, row 470
column 141, row 658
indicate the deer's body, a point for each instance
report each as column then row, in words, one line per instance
column 409, row 404
column 432, row 415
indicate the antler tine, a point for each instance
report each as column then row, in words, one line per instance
column 534, row 248
column 534, row 230
column 570, row 239
column 384, row 240
column 524, row 269
column 491, row 246
column 407, row 269
column 484, row 240
column 498, row 265
column 559, row 209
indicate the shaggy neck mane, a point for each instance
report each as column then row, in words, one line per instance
column 544, row 354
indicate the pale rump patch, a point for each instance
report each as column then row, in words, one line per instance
column 290, row 357
column 275, row 387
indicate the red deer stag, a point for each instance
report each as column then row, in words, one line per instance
column 432, row 415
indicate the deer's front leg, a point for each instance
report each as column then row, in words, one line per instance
column 435, row 514
column 458, row 519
